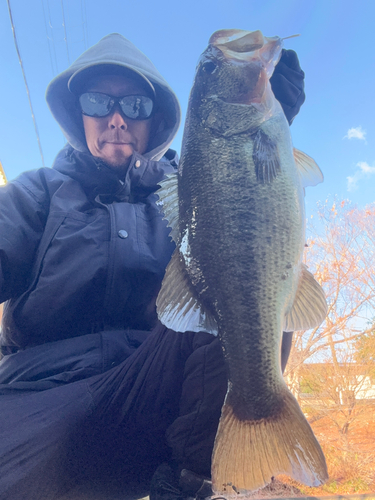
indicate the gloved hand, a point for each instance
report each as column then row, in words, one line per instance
column 288, row 85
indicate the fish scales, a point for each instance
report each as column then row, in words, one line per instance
column 237, row 206
column 243, row 242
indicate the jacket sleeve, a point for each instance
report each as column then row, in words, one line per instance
column 23, row 212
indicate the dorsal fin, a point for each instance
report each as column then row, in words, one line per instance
column 168, row 202
column 310, row 172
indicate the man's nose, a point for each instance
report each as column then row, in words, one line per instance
column 116, row 119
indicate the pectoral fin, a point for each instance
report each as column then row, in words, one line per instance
column 177, row 306
column 310, row 172
column 266, row 157
column 168, row 202
column 309, row 307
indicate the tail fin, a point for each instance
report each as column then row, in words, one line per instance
column 247, row 454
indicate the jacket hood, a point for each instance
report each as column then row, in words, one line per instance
column 112, row 50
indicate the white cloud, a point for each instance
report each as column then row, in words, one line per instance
column 363, row 171
column 356, row 133
column 365, row 167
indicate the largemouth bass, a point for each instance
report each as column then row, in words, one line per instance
column 236, row 209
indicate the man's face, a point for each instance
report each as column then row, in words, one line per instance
column 114, row 137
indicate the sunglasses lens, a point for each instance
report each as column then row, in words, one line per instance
column 95, row 104
column 137, row 107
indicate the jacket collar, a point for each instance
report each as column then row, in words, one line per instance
column 97, row 178
column 92, row 173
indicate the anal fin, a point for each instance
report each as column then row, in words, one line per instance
column 310, row 307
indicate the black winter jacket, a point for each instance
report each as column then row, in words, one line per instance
column 80, row 250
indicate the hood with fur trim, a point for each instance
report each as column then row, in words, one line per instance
column 116, row 50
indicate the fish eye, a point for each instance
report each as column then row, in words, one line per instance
column 209, row 67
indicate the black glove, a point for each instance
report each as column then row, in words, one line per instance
column 288, row 85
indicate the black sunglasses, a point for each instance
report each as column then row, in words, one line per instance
column 135, row 107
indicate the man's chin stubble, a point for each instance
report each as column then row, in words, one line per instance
column 117, row 163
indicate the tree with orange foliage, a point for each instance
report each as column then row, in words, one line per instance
column 326, row 362
column 340, row 253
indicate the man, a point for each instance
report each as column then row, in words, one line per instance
column 92, row 389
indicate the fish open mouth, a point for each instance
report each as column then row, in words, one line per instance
column 241, row 46
column 248, row 58
column 238, row 41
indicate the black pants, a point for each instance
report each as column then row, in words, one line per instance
column 107, row 408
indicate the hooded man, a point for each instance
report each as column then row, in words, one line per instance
column 93, row 390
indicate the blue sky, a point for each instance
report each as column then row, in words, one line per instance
column 335, row 126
